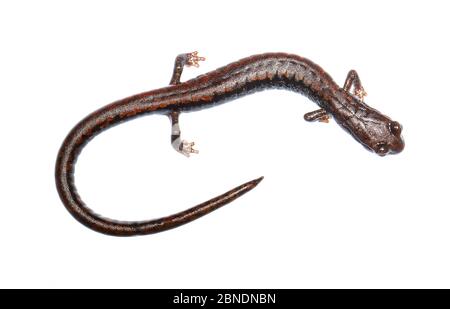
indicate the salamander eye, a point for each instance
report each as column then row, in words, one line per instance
column 395, row 128
column 381, row 149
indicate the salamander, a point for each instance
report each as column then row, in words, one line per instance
column 375, row 131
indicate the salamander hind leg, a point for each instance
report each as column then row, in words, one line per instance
column 182, row 146
column 188, row 59
column 317, row 115
column 353, row 80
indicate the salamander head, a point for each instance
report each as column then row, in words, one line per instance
column 377, row 132
column 390, row 140
column 371, row 128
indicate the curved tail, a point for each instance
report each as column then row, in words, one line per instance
column 64, row 175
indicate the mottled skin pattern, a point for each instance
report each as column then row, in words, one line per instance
column 273, row 70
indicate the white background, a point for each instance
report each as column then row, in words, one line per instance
column 329, row 214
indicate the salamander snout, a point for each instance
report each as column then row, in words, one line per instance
column 393, row 142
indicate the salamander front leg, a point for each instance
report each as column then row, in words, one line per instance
column 317, row 115
column 182, row 146
column 188, row 59
column 353, row 80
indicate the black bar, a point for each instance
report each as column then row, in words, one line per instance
column 203, row 298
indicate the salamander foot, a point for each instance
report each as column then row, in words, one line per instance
column 193, row 59
column 187, row 148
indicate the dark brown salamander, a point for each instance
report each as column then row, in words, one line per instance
column 273, row 70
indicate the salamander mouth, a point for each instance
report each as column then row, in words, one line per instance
column 398, row 146
column 383, row 148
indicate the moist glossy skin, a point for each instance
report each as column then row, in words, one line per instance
column 273, row 70
column 372, row 129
